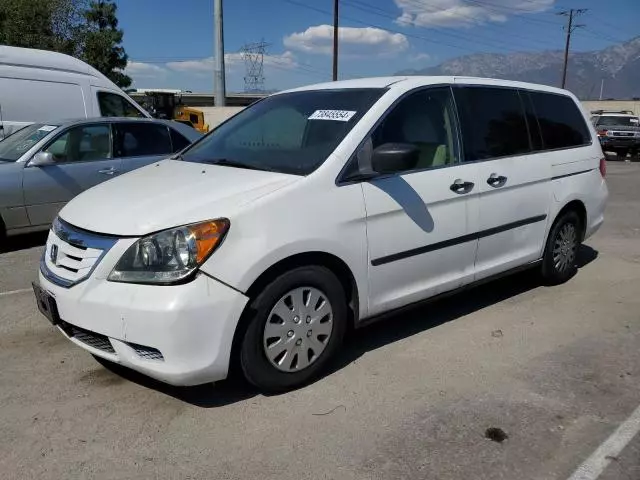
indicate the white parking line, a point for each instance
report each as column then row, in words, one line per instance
column 609, row 450
column 15, row 292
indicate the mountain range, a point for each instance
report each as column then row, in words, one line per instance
column 618, row 65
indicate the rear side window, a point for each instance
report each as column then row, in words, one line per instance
column 493, row 122
column 561, row 123
column 114, row 105
column 141, row 139
column 178, row 141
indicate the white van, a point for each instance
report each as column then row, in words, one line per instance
column 42, row 86
column 316, row 210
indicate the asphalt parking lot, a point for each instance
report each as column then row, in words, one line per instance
column 556, row 369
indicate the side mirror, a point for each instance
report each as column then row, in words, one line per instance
column 42, row 159
column 394, row 157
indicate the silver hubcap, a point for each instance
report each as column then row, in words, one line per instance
column 298, row 329
column 564, row 247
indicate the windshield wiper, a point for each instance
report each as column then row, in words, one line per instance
column 225, row 162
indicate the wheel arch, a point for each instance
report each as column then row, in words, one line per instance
column 317, row 258
column 577, row 206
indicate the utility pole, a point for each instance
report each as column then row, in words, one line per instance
column 601, row 88
column 335, row 40
column 220, row 92
column 569, row 28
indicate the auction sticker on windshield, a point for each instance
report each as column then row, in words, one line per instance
column 339, row 115
column 47, row 128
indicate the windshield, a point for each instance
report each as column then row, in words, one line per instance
column 619, row 121
column 287, row 133
column 15, row 145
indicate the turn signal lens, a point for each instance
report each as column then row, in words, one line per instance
column 603, row 167
column 207, row 237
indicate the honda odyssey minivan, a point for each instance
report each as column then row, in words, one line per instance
column 316, row 210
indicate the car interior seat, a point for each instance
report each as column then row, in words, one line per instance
column 422, row 129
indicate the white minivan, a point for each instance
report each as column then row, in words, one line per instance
column 317, row 210
column 42, row 86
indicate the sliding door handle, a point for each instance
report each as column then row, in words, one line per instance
column 460, row 186
column 496, row 180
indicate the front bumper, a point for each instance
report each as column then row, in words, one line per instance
column 180, row 334
column 619, row 142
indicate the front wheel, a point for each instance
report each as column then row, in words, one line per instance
column 559, row 260
column 297, row 325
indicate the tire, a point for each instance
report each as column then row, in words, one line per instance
column 559, row 259
column 3, row 237
column 293, row 295
column 622, row 153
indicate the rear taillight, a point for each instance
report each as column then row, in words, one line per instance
column 603, row 167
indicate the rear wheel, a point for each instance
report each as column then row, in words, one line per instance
column 297, row 325
column 559, row 260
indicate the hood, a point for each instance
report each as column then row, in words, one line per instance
column 169, row 194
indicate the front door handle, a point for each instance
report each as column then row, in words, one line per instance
column 108, row 171
column 496, row 180
column 461, row 187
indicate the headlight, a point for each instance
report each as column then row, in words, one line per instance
column 170, row 256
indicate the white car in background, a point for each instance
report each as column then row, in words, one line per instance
column 316, row 210
column 38, row 86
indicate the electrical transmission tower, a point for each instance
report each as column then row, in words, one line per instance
column 253, row 55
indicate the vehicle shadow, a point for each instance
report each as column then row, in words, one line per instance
column 396, row 327
column 208, row 395
column 23, row 242
column 428, row 315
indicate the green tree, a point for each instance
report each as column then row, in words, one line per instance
column 102, row 42
column 26, row 24
column 45, row 24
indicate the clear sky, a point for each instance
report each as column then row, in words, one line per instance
column 170, row 42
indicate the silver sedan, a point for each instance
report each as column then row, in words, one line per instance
column 43, row 166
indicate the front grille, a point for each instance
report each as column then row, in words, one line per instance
column 71, row 254
column 92, row 339
column 148, row 353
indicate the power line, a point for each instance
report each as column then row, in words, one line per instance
column 589, row 32
column 496, row 43
column 525, row 18
column 615, row 27
column 499, row 29
column 360, row 22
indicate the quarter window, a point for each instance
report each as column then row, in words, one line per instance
column 424, row 119
column 493, row 122
column 82, row 144
column 561, row 123
column 142, row 139
column 178, row 141
column 114, row 105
